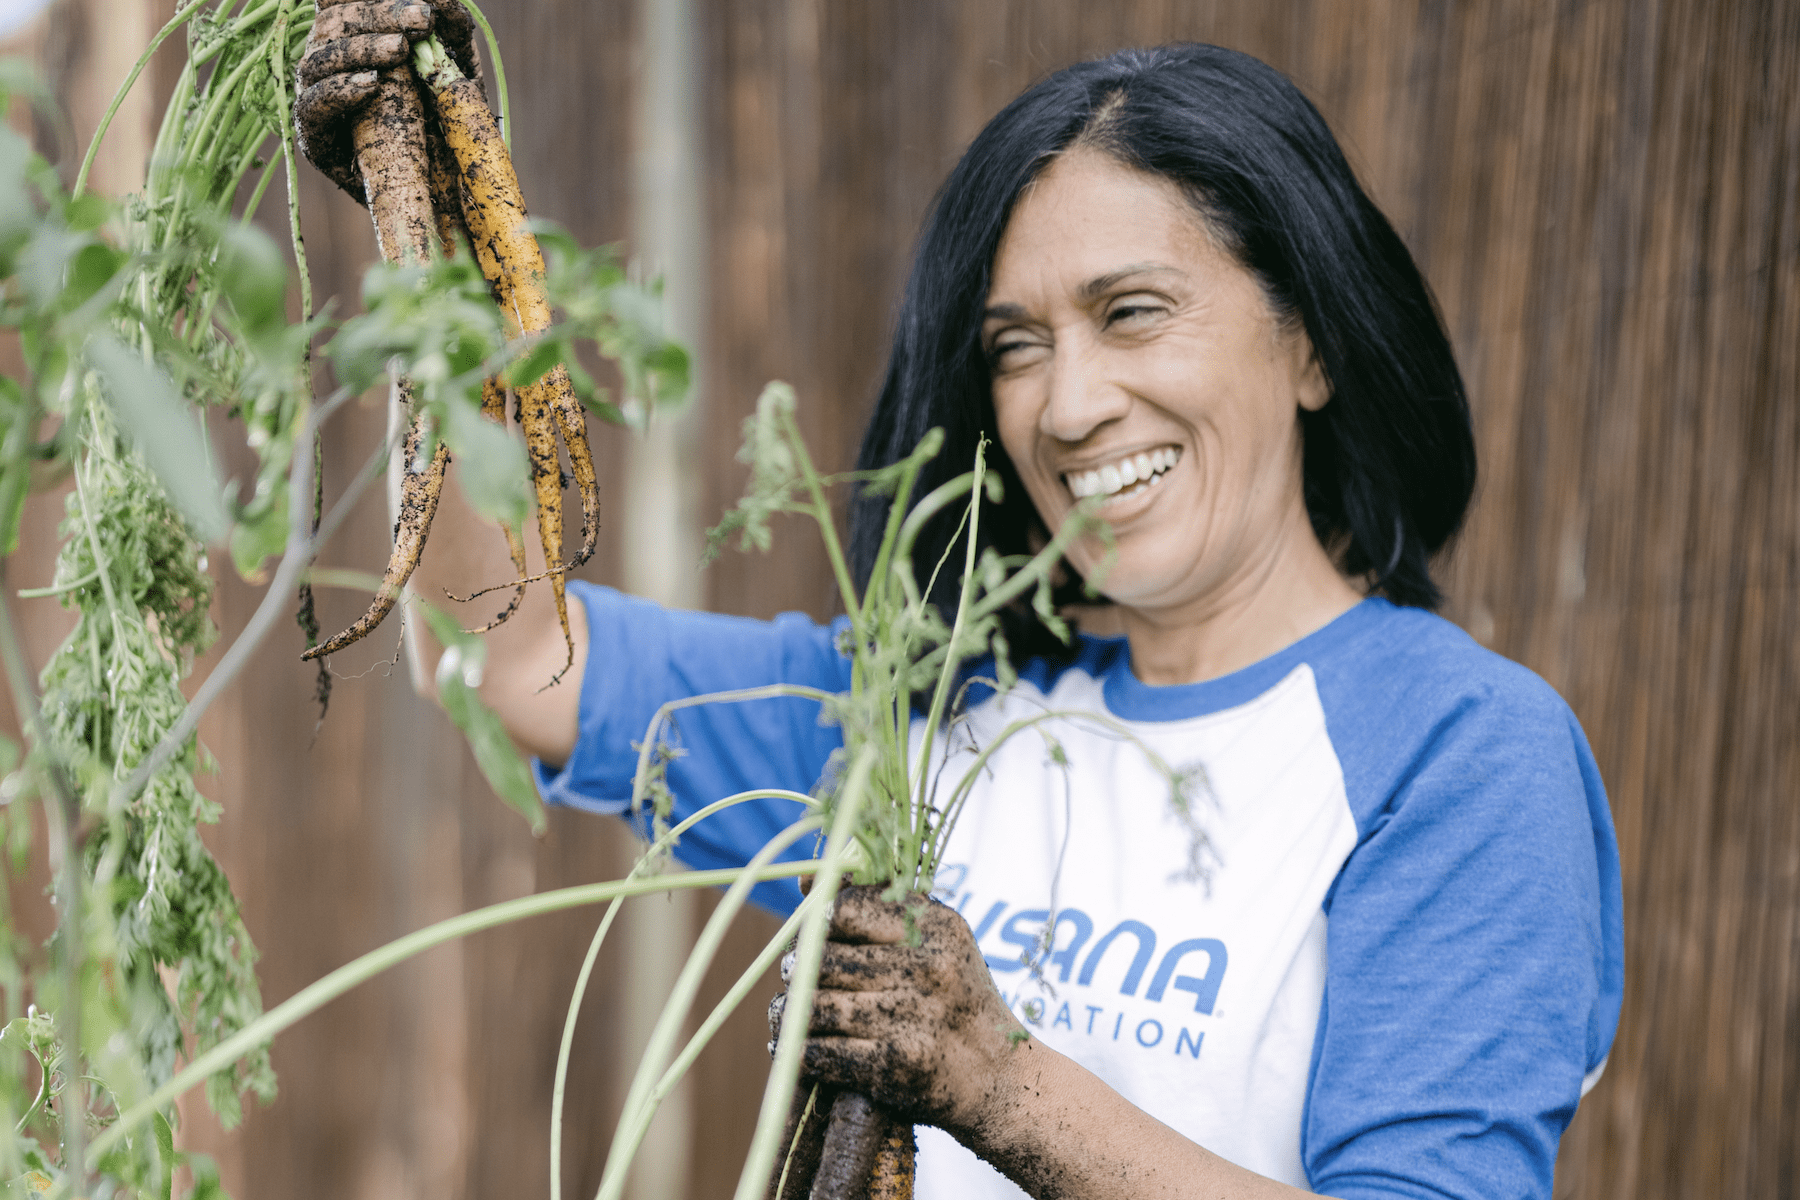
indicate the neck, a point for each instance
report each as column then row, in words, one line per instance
column 1271, row 603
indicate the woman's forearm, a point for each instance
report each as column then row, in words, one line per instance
column 1057, row 1131
column 525, row 653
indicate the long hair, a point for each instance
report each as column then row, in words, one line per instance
column 1389, row 461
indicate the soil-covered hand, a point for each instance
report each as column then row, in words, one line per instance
column 351, row 42
column 920, row 1029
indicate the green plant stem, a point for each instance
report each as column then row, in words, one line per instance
column 278, row 62
column 41, row 593
column 940, row 696
column 929, row 506
column 43, row 1094
column 966, row 784
column 827, row 527
column 176, row 22
column 715, row 1020
column 493, row 45
column 645, row 860
column 796, row 1018
column 927, row 449
column 62, row 811
column 787, row 1161
column 640, row 1102
column 71, row 933
column 653, row 734
column 301, row 548
column 328, row 988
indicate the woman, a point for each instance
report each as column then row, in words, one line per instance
column 1154, row 278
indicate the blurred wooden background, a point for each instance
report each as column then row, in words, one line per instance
column 1605, row 196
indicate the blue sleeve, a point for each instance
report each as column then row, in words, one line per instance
column 641, row 656
column 1474, row 942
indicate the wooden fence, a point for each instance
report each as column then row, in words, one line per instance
column 1605, row 196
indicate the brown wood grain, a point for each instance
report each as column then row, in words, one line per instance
column 1605, row 196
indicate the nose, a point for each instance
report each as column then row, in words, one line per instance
column 1083, row 397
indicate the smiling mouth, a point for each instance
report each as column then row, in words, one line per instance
column 1129, row 476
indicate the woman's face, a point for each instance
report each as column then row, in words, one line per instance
column 1134, row 359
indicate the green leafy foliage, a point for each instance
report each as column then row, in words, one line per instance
column 164, row 431
column 623, row 319
column 458, row 678
column 148, row 328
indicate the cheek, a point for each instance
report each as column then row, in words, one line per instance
column 1017, row 430
column 1017, row 425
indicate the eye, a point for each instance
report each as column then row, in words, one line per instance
column 1012, row 348
column 1134, row 309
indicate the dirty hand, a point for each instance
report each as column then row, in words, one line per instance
column 351, row 42
column 921, row 1030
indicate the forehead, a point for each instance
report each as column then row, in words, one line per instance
column 1088, row 215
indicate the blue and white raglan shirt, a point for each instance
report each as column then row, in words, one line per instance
column 1398, row 967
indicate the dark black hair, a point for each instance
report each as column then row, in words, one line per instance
column 1389, row 462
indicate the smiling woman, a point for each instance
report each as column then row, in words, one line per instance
column 1382, row 956
column 1134, row 359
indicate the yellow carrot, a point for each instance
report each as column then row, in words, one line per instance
column 494, row 211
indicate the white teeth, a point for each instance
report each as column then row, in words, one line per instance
column 1140, row 469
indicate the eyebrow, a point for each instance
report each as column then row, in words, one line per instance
column 1092, row 289
column 1104, row 283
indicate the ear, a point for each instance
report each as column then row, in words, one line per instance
column 1312, row 390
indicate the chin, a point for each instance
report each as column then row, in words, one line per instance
column 1136, row 585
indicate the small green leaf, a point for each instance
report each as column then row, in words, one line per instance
column 257, row 539
column 206, row 1179
column 458, row 675
column 253, row 277
column 165, row 1150
column 165, row 431
column 87, row 212
column 92, row 268
column 490, row 464
column 537, row 364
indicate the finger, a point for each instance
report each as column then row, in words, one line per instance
column 372, row 16
column 845, row 1062
column 872, row 967
column 879, row 1016
column 777, row 1006
column 365, row 52
column 325, row 104
column 453, row 20
column 862, row 915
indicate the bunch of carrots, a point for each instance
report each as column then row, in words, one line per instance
column 424, row 207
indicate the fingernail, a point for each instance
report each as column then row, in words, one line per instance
column 787, row 965
column 362, row 79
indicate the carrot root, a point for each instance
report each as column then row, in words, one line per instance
column 420, row 488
